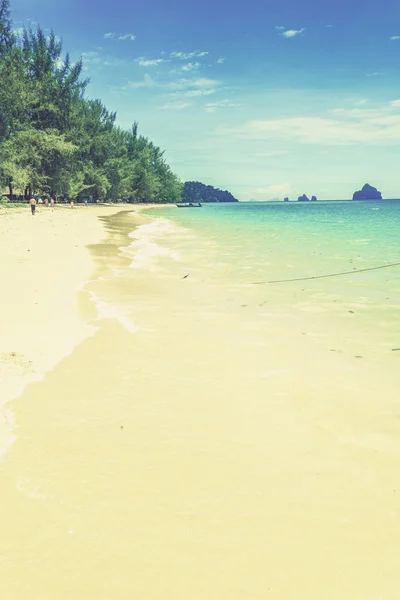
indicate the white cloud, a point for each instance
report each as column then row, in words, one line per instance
column 290, row 33
column 278, row 190
column 202, row 82
column 191, row 66
column 374, row 74
column 110, row 35
column 395, row 37
column 176, row 105
column 220, row 60
column 144, row 62
column 19, row 31
column 339, row 127
column 127, row 36
column 280, row 27
column 184, row 84
column 188, row 55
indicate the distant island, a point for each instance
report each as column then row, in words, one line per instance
column 368, row 192
column 305, row 198
column 194, row 191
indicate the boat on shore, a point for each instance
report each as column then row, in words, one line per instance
column 188, row 204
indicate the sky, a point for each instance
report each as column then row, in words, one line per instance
column 267, row 99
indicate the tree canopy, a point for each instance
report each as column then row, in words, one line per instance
column 194, row 191
column 56, row 141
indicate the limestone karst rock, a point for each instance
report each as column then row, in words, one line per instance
column 368, row 192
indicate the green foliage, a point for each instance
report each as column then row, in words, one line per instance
column 194, row 191
column 54, row 140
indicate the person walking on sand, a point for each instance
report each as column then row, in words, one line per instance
column 72, row 204
column 32, row 202
column 52, row 203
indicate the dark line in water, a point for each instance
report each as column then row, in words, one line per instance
column 328, row 275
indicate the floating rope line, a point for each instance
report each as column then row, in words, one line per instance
column 328, row 275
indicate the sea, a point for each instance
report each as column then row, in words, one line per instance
column 231, row 429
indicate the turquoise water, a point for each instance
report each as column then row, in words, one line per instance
column 326, row 236
column 327, row 268
column 249, row 243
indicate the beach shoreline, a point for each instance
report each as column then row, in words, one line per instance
column 200, row 430
column 45, row 262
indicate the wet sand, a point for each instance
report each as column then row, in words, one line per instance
column 198, row 456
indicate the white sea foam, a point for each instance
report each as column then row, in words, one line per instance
column 146, row 250
column 105, row 310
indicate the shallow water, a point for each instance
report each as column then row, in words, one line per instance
column 217, row 439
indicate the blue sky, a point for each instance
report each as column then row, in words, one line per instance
column 266, row 99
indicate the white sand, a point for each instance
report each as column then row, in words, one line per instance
column 44, row 261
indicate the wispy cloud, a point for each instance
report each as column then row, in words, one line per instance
column 192, row 93
column 91, row 58
column 213, row 106
column 394, row 37
column 180, row 88
column 291, row 33
column 374, row 74
column 19, row 30
column 188, row 55
column 146, row 82
column 280, row 27
column 339, row 127
column 220, row 60
column 185, row 84
column 153, row 62
column 191, row 66
column 176, row 106
column 127, row 36
column 122, row 37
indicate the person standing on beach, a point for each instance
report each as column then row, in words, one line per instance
column 52, row 203
column 32, row 202
column 72, row 204
column 46, row 202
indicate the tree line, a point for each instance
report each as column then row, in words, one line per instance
column 54, row 141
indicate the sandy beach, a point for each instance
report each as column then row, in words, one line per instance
column 174, row 450
column 44, row 261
